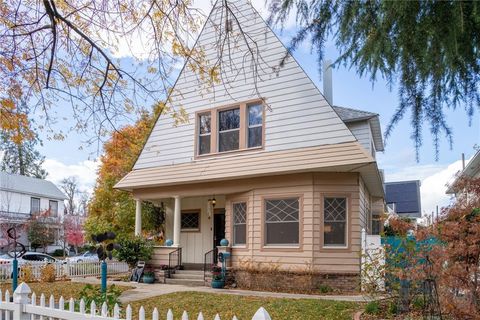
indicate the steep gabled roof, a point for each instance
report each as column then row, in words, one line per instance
column 31, row 186
column 353, row 115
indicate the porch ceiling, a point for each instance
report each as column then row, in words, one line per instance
column 344, row 157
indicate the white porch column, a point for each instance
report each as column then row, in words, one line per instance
column 177, row 216
column 138, row 217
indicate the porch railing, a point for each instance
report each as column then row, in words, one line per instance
column 210, row 258
column 174, row 261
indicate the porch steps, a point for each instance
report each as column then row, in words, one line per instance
column 192, row 278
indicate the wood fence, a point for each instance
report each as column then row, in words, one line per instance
column 65, row 269
column 24, row 306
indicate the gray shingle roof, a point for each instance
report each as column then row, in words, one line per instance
column 29, row 185
column 406, row 196
column 348, row 114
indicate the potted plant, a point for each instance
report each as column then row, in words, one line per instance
column 217, row 278
column 148, row 276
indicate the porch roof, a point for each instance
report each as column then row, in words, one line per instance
column 343, row 157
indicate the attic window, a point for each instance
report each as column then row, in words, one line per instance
column 205, row 133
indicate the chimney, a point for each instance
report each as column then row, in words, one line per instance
column 327, row 81
column 463, row 161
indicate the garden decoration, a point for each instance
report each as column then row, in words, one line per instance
column 105, row 250
column 15, row 250
column 218, row 281
column 431, row 306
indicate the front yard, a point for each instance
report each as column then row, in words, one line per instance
column 244, row 308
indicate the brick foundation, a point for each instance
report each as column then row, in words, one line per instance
column 284, row 281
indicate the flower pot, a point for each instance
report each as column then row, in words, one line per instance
column 218, row 284
column 148, row 278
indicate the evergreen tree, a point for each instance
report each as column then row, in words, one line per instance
column 430, row 48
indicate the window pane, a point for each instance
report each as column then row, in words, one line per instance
column 204, row 144
column 282, row 233
column 281, row 221
column 334, row 234
column 255, row 137
column 240, row 234
column 229, row 119
column 34, row 205
column 205, row 123
column 335, row 221
column 190, row 220
column 228, row 141
column 53, row 206
column 255, row 114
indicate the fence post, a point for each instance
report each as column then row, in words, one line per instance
column 21, row 298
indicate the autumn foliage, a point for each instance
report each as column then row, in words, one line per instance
column 112, row 209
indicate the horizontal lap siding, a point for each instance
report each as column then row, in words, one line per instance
column 361, row 130
column 298, row 116
column 311, row 186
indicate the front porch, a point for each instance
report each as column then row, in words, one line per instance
column 195, row 225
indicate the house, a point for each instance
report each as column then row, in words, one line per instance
column 403, row 197
column 263, row 161
column 471, row 171
column 21, row 197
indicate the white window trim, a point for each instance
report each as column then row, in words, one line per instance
column 333, row 247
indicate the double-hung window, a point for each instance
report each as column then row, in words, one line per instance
column 335, row 222
column 229, row 130
column 282, row 218
column 255, row 126
column 204, row 133
column 239, row 223
column 53, row 208
column 34, row 205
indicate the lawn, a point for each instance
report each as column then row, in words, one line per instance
column 245, row 307
column 66, row 289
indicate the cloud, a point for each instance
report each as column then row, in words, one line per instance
column 85, row 172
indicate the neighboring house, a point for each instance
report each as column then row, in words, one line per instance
column 471, row 170
column 273, row 167
column 22, row 196
column 403, row 197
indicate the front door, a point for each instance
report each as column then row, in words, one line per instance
column 218, row 226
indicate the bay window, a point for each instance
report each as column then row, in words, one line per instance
column 335, row 222
column 282, row 226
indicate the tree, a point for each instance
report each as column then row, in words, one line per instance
column 41, row 230
column 70, row 188
column 54, row 53
column 431, row 48
column 73, row 229
column 111, row 209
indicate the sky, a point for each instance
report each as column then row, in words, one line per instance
column 71, row 157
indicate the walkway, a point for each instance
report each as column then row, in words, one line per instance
column 144, row 291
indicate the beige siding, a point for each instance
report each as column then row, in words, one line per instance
column 298, row 116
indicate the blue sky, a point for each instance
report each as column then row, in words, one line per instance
column 72, row 157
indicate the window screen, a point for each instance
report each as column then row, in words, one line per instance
column 228, row 130
column 239, row 223
column 282, row 221
column 335, row 222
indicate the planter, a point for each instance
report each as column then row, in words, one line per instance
column 148, row 278
column 218, row 284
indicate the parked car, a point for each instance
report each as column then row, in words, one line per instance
column 30, row 257
column 87, row 256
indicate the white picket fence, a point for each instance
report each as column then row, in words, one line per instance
column 25, row 307
column 66, row 270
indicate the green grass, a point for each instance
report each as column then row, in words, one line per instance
column 66, row 289
column 245, row 307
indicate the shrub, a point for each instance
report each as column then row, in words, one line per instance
column 47, row 273
column 325, row 288
column 26, row 273
column 90, row 293
column 373, row 307
column 392, row 308
column 134, row 249
column 418, row 303
column 58, row 253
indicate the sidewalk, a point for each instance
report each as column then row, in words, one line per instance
column 144, row 291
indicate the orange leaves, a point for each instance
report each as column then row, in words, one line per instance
column 14, row 122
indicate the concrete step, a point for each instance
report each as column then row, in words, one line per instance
column 197, row 272
column 186, row 282
column 187, row 276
